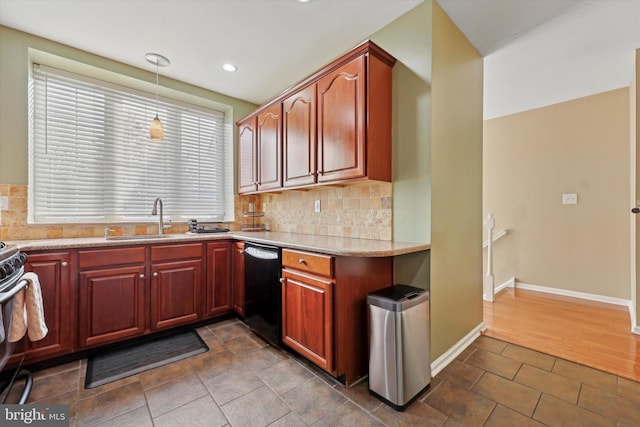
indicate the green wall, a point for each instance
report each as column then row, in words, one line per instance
column 14, row 73
column 437, row 166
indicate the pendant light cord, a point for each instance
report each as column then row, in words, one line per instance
column 157, row 84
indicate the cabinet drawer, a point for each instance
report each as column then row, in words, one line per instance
column 173, row 252
column 321, row 265
column 109, row 257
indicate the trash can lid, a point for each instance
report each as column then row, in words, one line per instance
column 398, row 297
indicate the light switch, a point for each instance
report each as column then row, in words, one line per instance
column 4, row 203
column 317, row 206
column 570, row 199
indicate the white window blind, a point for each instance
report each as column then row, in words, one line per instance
column 91, row 158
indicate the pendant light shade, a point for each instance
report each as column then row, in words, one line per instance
column 156, row 132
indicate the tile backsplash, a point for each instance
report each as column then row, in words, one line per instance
column 360, row 210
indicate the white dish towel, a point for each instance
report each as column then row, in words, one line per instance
column 28, row 312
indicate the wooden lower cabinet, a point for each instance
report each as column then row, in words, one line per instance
column 324, row 309
column 219, row 293
column 53, row 270
column 238, row 278
column 112, row 305
column 307, row 317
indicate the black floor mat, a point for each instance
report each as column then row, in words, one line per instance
column 132, row 359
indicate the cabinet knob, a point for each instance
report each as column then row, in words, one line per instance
column 64, row 263
column 142, row 276
column 155, row 274
column 302, row 261
column 281, row 279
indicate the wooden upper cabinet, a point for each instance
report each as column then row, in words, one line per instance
column 299, row 137
column 341, row 123
column 247, row 156
column 268, row 137
column 335, row 126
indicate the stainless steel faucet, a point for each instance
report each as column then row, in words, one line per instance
column 160, row 217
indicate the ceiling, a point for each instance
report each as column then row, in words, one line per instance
column 536, row 52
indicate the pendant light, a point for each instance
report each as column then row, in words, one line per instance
column 155, row 130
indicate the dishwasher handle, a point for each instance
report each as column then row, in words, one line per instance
column 260, row 253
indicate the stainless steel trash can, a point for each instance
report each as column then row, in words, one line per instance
column 399, row 366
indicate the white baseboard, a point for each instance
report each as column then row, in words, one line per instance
column 448, row 356
column 511, row 283
column 574, row 294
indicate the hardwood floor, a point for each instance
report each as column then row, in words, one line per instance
column 586, row 332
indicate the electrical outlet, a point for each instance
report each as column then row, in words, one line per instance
column 4, row 203
column 570, row 199
column 264, row 207
column 317, row 206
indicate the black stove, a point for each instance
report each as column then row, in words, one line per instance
column 11, row 264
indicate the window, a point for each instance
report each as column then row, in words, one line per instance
column 91, row 159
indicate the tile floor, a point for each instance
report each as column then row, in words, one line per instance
column 242, row 381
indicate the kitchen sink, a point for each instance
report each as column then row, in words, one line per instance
column 138, row 237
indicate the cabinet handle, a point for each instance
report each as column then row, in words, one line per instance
column 302, row 261
column 142, row 276
column 155, row 274
column 64, row 263
column 281, row 279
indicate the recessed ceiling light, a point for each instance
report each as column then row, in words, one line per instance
column 230, row 68
column 304, row 1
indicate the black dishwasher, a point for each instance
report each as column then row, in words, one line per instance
column 262, row 291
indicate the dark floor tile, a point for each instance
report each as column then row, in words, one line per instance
column 52, row 385
column 462, row 374
column 263, row 358
column 508, row 393
column 313, row 399
column 489, row 344
column 173, row 394
column 290, row 420
column 499, row 365
column 461, row 404
column 547, row 382
column 232, row 384
column 416, row 414
column 257, row 408
column 450, row 422
column 228, row 331
column 70, row 399
column 214, row 344
column 215, row 364
column 57, row 369
column 610, row 405
column 462, row 357
column 348, row 415
column 530, row 357
column 162, row 374
column 556, row 412
column 243, row 344
column 109, row 404
column 586, row 375
column 139, row 417
column 360, row 394
column 285, row 375
column 200, row 412
column 505, row 417
column 629, row 389
column 435, row 382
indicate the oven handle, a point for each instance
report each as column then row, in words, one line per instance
column 6, row 296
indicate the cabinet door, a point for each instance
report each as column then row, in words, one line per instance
column 247, row 156
column 219, row 294
column 238, row 278
column 176, row 291
column 299, row 137
column 341, row 123
column 59, row 302
column 268, row 133
column 112, row 305
column 307, row 317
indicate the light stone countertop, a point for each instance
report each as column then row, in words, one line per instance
column 340, row 246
